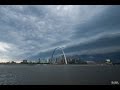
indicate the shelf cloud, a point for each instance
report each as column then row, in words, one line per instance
column 30, row 30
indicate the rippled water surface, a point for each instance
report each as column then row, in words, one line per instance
column 58, row 74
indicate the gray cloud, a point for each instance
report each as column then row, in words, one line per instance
column 34, row 31
column 108, row 21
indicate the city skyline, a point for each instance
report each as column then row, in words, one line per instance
column 36, row 30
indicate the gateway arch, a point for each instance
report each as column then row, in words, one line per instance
column 62, row 52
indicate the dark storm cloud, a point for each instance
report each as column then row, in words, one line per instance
column 109, row 43
column 107, row 21
column 103, row 42
column 104, row 26
column 35, row 31
column 107, row 24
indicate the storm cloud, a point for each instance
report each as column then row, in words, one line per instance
column 36, row 30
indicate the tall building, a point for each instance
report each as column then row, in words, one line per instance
column 24, row 62
column 39, row 61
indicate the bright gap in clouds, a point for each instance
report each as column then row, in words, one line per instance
column 4, row 47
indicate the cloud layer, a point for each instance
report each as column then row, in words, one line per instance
column 27, row 31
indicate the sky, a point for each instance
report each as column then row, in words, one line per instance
column 36, row 30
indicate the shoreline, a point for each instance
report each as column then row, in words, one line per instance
column 63, row 64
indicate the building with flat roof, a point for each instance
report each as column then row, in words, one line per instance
column 24, row 62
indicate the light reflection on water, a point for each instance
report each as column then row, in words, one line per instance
column 58, row 74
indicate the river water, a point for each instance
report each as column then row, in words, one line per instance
column 23, row 74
